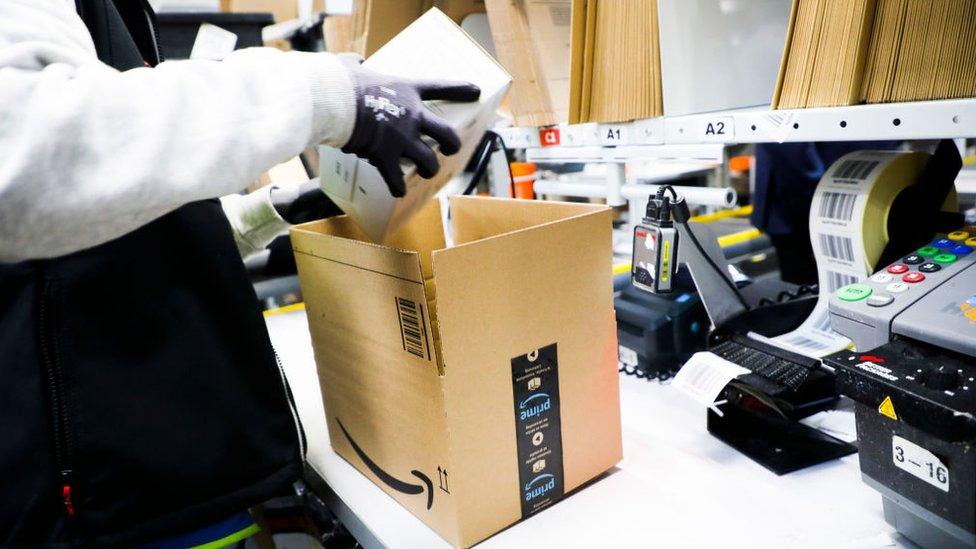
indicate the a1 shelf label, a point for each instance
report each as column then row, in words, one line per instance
column 718, row 129
column 614, row 134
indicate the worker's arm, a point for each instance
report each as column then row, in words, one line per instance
column 88, row 153
column 259, row 217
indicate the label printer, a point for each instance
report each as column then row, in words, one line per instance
column 913, row 378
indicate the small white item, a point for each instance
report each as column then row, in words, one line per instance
column 338, row 7
column 626, row 356
column 705, row 375
column 213, row 43
column 919, row 462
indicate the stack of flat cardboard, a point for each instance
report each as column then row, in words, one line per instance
column 373, row 23
column 843, row 53
column 283, row 10
column 579, row 60
column 616, row 69
column 922, row 50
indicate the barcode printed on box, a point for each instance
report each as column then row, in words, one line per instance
column 837, row 247
column 837, row 280
column 855, row 169
column 412, row 332
column 837, row 205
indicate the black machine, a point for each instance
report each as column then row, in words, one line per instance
column 656, row 334
column 759, row 412
column 916, row 430
column 921, row 333
column 913, row 378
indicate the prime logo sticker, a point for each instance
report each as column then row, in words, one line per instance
column 535, row 386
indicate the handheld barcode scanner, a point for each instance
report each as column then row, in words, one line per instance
column 656, row 256
column 656, row 243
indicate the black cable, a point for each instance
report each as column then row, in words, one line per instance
column 641, row 374
column 787, row 295
column 681, row 214
column 490, row 141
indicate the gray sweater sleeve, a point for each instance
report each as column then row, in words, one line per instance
column 91, row 153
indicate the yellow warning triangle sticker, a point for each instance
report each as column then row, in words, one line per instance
column 887, row 408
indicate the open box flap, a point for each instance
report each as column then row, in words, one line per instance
column 477, row 218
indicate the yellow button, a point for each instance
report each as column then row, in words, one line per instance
column 971, row 241
column 971, row 314
column 958, row 235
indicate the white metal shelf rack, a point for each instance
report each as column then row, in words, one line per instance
column 688, row 136
column 703, row 137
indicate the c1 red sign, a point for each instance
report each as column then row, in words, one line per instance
column 549, row 137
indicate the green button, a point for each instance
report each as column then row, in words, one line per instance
column 944, row 258
column 854, row 292
column 928, row 251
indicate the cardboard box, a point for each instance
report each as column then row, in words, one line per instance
column 532, row 39
column 283, row 10
column 475, row 384
column 372, row 23
column 432, row 47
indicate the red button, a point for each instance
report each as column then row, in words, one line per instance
column 913, row 277
column 898, row 268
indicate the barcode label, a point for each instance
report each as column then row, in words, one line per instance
column 823, row 324
column 805, row 343
column 412, row 331
column 837, row 206
column 837, row 247
column 836, row 281
column 705, row 375
column 855, row 169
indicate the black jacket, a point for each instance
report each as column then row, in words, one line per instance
column 139, row 393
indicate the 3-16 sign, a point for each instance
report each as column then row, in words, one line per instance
column 919, row 462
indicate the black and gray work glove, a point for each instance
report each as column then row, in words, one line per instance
column 391, row 117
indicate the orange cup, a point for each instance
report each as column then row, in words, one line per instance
column 523, row 178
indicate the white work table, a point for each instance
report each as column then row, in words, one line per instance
column 676, row 487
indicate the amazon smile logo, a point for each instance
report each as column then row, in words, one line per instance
column 387, row 478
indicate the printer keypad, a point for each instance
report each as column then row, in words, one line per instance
column 883, row 287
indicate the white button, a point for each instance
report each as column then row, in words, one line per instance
column 882, row 278
column 897, row 287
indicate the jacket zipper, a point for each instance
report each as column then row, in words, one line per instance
column 48, row 320
column 299, row 428
column 153, row 25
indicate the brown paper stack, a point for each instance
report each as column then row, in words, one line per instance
column 373, row 23
column 579, row 60
column 847, row 52
column 615, row 51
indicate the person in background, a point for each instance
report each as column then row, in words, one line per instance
column 140, row 399
column 786, row 179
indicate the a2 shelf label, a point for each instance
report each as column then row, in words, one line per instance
column 719, row 129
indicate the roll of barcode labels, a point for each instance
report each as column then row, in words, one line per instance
column 849, row 231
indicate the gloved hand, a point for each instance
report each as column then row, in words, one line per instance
column 390, row 119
